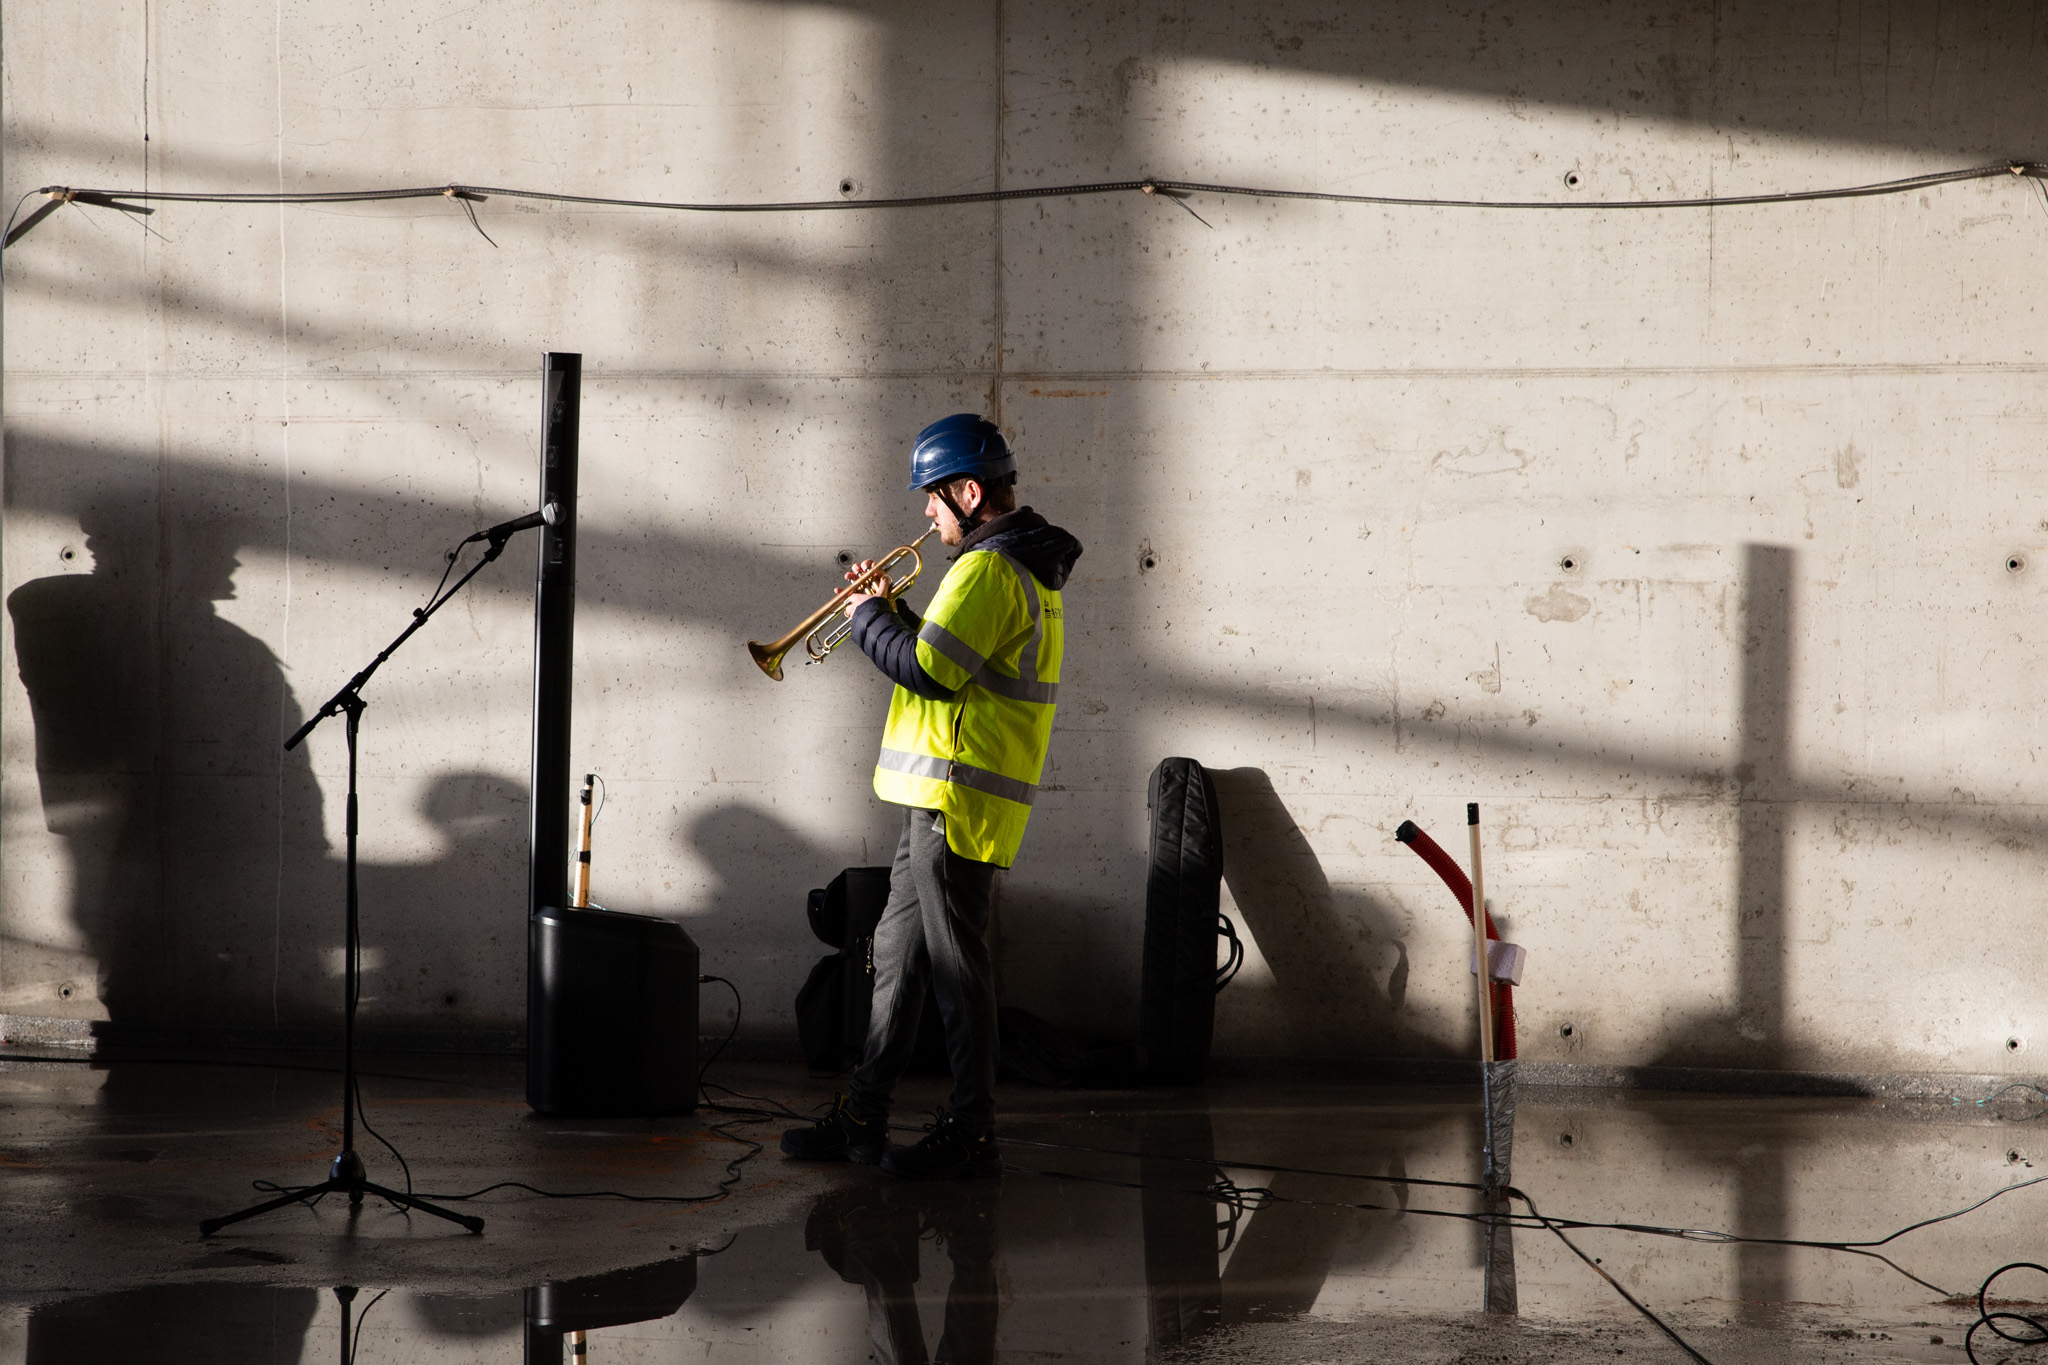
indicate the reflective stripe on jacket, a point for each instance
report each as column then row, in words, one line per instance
column 995, row 635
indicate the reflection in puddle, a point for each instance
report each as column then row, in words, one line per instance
column 258, row 1325
column 870, row 1236
column 1085, row 1251
column 175, row 1324
column 559, row 1313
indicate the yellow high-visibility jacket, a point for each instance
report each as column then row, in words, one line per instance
column 995, row 635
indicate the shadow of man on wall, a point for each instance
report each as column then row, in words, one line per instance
column 85, row 643
column 759, row 861
column 752, row 921
column 445, row 938
column 195, row 841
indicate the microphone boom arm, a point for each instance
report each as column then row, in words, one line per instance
column 350, row 694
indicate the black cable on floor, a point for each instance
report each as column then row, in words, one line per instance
column 364, row 1119
column 355, row 1338
column 757, row 1111
column 2034, row 1329
column 1246, row 1199
column 730, row 1034
column 1533, row 1220
column 1243, row 1199
column 1666, row 1328
column 776, row 1108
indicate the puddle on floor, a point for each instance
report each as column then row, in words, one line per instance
column 1085, row 1252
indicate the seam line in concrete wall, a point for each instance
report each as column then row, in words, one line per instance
column 597, row 378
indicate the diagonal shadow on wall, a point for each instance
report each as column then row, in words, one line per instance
column 1337, row 955
column 1899, row 73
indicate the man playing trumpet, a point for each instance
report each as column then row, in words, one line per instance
column 962, row 751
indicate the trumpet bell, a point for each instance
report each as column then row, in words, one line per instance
column 769, row 659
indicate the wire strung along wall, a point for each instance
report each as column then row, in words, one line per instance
column 1178, row 191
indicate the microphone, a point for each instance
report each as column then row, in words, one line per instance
column 505, row 530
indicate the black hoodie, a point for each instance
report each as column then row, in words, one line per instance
column 890, row 637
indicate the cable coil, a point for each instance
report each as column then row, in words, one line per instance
column 2034, row 1330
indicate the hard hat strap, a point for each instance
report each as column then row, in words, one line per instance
column 945, row 495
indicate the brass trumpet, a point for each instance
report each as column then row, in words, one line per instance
column 820, row 647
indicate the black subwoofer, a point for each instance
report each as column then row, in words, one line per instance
column 611, row 1014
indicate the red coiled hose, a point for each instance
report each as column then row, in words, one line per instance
column 1461, row 886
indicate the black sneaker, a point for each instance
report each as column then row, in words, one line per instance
column 947, row 1152
column 838, row 1136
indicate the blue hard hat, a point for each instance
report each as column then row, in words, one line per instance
column 965, row 445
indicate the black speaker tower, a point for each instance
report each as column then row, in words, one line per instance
column 554, row 634
column 611, row 999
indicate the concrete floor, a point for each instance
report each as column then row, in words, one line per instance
column 1078, row 1253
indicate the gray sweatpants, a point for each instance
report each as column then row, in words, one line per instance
column 935, row 928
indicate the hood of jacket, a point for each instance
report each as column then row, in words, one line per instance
column 1047, row 550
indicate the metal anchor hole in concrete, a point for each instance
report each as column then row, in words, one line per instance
column 1571, row 180
column 2015, row 563
column 1563, row 1030
column 2012, row 1045
column 844, row 557
column 1568, row 563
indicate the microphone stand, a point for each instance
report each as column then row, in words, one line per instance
column 347, row 1175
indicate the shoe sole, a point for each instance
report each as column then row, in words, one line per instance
column 859, row 1156
column 972, row 1170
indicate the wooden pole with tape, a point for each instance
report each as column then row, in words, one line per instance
column 1497, row 1064
column 583, row 853
column 1497, row 1105
column 1484, row 967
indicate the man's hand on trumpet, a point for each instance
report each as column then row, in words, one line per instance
column 881, row 585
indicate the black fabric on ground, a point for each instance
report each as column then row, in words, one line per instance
column 1039, row 1053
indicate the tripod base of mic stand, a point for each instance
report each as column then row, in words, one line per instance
column 345, row 1177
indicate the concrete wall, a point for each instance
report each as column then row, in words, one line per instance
column 1704, row 548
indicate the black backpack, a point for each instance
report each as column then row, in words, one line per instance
column 836, row 1000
